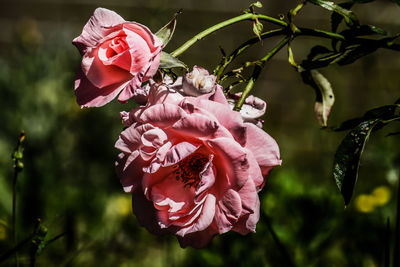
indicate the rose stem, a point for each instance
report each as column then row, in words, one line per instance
column 223, row 24
column 257, row 70
column 227, row 60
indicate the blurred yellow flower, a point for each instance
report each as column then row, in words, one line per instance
column 365, row 203
column 123, row 205
column 381, row 195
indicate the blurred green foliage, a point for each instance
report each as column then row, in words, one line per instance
column 69, row 181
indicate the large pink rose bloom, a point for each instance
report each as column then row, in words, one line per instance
column 193, row 166
column 117, row 57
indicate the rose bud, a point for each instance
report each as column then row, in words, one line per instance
column 198, row 82
column 117, row 57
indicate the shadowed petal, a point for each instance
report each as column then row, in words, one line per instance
column 263, row 147
column 228, row 211
column 88, row 95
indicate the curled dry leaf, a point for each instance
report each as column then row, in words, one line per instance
column 324, row 97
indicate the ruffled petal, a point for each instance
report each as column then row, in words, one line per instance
column 196, row 125
column 130, row 139
column 204, row 219
column 231, row 120
column 96, row 29
column 247, row 224
column 249, row 197
column 264, row 148
column 161, row 115
column 216, row 96
column 231, row 162
column 228, row 211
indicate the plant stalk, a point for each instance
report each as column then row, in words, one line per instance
column 223, row 24
column 257, row 70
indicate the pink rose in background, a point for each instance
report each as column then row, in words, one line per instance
column 193, row 166
column 117, row 57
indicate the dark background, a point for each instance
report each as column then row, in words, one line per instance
column 69, row 180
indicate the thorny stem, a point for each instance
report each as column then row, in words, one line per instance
column 250, row 16
column 257, row 70
column 227, row 60
column 223, row 24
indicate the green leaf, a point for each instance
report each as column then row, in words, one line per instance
column 347, row 158
column 324, row 95
column 167, row 62
column 336, row 18
column 354, row 52
column 386, row 112
column 346, row 55
column 348, row 16
column 291, row 57
column 258, row 28
column 362, row 31
column 166, row 32
column 257, row 4
column 319, row 57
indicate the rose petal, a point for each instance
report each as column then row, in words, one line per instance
column 88, row 95
column 129, row 172
column 249, row 197
column 232, row 163
column 204, row 219
column 207, row 179
column 216, row 96
column 161, row 115
column 228, row 211
column 96, row 29
column 264, row 148
column 130, row 139
column 247, row 223
column 178, row 152
column 146, row 214
column 231, row 120
column 101, row 75
column 197, row 239
column 153, row 42
column 196, row 125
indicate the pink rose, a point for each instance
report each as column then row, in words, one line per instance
column 194, row 168
column 117, row 57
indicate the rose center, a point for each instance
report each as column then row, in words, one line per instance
column 188, row 170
